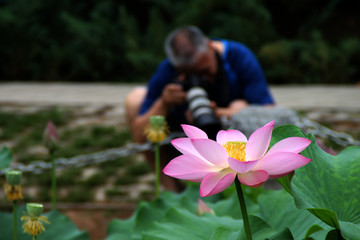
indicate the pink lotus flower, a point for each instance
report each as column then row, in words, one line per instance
column 216, row 163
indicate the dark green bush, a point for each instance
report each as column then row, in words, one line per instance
column 115, row 192
column 313, row 61
column 79, row 194
column 137, row 169
column 18, row 123
column 111, row 40
column 125, row 180
column 94, row 180
column 68, row 177
column 108, row 40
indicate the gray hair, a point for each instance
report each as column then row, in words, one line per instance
column 196, row 38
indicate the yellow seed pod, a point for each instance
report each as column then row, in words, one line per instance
column 157, row 130
column 13, row 193
column 33, row 222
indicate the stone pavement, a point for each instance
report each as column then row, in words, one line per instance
column 291, row 96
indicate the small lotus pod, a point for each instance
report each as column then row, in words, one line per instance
column 33, row 222
column 34, row 209
column 157, row 122
column 157, row 130
column 13, row 177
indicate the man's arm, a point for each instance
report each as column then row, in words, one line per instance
column 172, row 95
column 234, row 107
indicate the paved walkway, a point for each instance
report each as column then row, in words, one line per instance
column 299, row 97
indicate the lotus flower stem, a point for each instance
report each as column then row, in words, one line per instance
column 243, row 209
column 51, row 140
column 15, row 219
column 157, row 170
column 53, row 179
column 156, row 132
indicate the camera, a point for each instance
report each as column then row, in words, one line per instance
column 199, row 105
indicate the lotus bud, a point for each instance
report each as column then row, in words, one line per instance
column 202, row 208
column 51, row 138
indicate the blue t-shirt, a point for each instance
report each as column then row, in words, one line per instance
column 244, row 80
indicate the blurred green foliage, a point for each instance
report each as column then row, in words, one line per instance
column 313, row 61
column 303, row 41
column 138, row 169
column 21, row 123
column 24, row 132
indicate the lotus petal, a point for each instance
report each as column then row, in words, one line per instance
column 194, row 132
column 216, row 182
column 231, row 135
column 188, row 167
column 253, row 178
column 258, row 142
column 280, row 163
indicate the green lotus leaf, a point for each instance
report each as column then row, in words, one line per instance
column 314, row 229
column 147, row 213
column 350, row 230
column 5, row 158
column 60, row 227
column 231, row 207
column 328, row 186
column 283, row 235
column 179, row 224
column 278, row 209
column 224, row 233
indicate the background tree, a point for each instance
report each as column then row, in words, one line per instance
column 107, row 40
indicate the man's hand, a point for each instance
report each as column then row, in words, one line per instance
column 173, row 95
column 234, row 107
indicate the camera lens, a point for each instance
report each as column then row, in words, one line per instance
column 199, row 104
column 202, row 113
